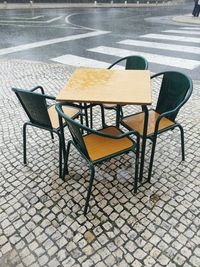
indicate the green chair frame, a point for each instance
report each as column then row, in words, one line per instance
column 76, row 130
column 131, row 63
column 176, row 88
column 36, row 108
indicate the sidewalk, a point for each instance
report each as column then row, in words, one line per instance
column 187, row 18
column 41, row 217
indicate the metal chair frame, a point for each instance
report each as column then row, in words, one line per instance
column 46, row 126
column 170, row 114
column 76, row 129
column 132, row 63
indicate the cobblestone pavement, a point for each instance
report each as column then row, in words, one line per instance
column 41, row 217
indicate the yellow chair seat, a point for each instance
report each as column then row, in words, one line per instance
column 99, row 147
column 136, row 122
column 70, row 111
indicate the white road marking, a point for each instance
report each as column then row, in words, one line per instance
column 37, row 17
column 171, row 47
column 172, row 38
column 76, row 25
column 18, row 48
column 82, row 62
column 21, row 21
column 19, row 18
column 54, row 19
column 183, row 32
column 191, row 28
column 40, row 26
column 158, row 59
column 31, row 18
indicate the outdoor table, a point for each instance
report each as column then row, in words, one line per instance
column 108, row 86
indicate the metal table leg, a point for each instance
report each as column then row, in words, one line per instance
column 117, row 115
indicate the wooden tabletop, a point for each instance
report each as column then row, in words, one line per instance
column 108, row 86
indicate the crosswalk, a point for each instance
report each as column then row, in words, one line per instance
column 178, row 48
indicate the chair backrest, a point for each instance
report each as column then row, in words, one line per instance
column 75, row 129
column 132, row 63
column 175, row 90
column 136, row 63
column 35, row 107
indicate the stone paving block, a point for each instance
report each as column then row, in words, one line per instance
column 41, row 217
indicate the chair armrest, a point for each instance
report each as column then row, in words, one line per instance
column 164, row 115
column 112, row 136
column 89, row 130
column 49, row 97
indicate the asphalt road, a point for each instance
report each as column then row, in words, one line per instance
column 99, row 36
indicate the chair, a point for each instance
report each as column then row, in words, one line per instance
column 175, row 90
column 97, row 146
column 131, row 63
column 42, row 115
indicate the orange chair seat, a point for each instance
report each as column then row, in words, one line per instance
column 70, row 111
column 136, row 122
column 99, row 147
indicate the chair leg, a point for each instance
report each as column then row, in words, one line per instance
column 118, row 111
column 24, row 143
column 137, row 165
column 91, row 117
column 182, row 142
column 121, row 112
column 144, row 139
column 61, row 150
column 102, row 116
column 81, row 120
column 86, row 115
column 66, row 157
column 151, row 159
column 89, row 188
column 52, row 137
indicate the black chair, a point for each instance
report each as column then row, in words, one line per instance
column 176, row 88
column 97, row 145
column 42, row 115
column 131, row 63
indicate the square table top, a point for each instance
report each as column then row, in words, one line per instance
column 108, row 86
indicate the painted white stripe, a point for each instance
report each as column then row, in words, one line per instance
column 82, row 62
column 183, row 32
column 67, row 20
column 158, row 59
column 54, row 19
column 20, row 17
column 171, row 47
column 37, row 17
column 191, row 28
column 49, row 42
column 172, row 38
column 23, row 21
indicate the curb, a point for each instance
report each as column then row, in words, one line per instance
column 32, row 5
